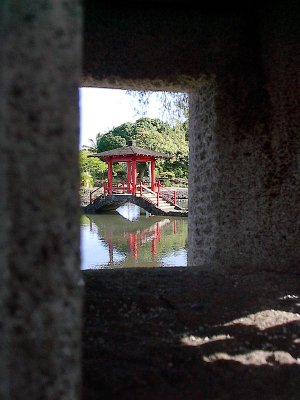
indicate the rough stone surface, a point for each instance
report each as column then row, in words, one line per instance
column 125, row 49
column 204, row 175
column 243, row 69
column 244, row 157
column 4, row 230
column 241, row 66
column 42, row 70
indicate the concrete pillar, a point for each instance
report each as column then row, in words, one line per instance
column 39, row 180
column 244, row 169
column 203, row 178
column 5, row 324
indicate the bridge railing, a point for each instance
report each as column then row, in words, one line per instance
column 123, row 187
column 143, row 187
column 92, row 198
column 170, row 199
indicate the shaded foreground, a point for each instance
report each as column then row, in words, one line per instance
column 179, row 334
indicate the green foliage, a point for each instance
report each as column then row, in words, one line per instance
column 92, row 166
column 109, row 141
column 174, row 105
column 92, row 146
column 154, row 134
column 119, row 171
column 86, row 180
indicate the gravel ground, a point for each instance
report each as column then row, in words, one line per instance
column 182, row 334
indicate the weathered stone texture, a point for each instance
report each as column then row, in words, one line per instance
column 42, row 71
column 4, row 230
column 204, row 177
column 246, row 215
column 244, row 70
column 243, row 65
column 281, row 56
column 155, row 46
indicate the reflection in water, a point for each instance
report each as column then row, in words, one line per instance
column 131, row 211
column 130, row 239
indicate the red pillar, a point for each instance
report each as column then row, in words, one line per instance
column 153, row 175
column 109, row 175
column 174, row 227
column 135, row 247
column 130, row 242
column 153, row 247
column 134, row 174
column 128, row 176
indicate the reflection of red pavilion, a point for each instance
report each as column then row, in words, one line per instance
column 137, row 239
column 156, row 237
column 130, row 155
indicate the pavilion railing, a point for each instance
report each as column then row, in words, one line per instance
column 123, row 187
column 120, row 187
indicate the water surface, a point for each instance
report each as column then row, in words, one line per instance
column 131, row 237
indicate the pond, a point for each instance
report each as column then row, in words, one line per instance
column 130, row 237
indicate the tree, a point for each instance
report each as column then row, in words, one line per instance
column 86, row 180
column 154, row 134
column 174, row 105
column 91, row 165
column 92, row 146
column 111, row 140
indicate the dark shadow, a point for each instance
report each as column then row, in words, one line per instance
column 182, row 334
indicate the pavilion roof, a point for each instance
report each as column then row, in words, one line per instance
column 128, row 151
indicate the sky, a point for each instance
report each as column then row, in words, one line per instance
column 103, row 109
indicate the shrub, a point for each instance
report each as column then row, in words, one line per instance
column 86, row 180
